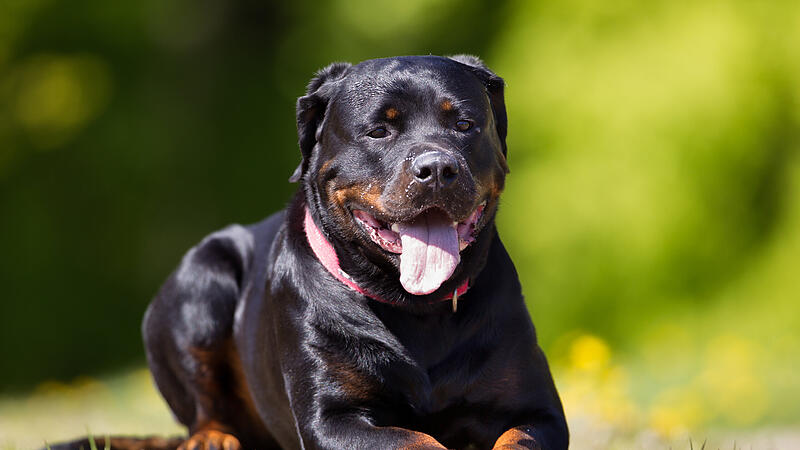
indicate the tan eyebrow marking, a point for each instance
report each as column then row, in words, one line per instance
column 447, row 105
column 392, row 113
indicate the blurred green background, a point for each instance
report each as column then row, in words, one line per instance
column 653, row 205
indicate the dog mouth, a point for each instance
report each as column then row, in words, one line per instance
column 429, row 244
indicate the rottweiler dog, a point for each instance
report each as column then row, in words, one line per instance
column 379, row 310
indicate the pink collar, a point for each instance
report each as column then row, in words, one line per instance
column 326, row 254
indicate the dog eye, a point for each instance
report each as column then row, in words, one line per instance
column 463, row 125
column 378, row 133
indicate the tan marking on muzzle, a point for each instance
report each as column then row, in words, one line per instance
column 368, row 195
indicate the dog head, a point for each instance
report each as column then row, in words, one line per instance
column 403, row 163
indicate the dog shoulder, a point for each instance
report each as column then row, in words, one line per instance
column 226, row 256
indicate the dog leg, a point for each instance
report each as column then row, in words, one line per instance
column 353, row 432
column 530, row 437
column 188, row 338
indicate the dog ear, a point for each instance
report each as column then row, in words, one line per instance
column 494, row 88
column 311, row 111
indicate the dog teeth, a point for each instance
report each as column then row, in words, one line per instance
column 395, row 227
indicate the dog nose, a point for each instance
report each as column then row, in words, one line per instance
column 435, row 168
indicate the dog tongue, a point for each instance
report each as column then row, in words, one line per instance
column 430, row 252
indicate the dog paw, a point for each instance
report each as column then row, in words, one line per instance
column 519, row 438
column 211, row 440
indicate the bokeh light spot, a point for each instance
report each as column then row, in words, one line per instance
column 57, row 95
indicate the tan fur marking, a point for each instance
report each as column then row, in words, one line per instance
column 516, row 438
column 325, row 167
column 354, row 384
column 447, row 105
column 392, row 113
column 209, row 437
column 368, row 195
column 420, row 441
column 223, row 359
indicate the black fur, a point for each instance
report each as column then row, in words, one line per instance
column 251, row 336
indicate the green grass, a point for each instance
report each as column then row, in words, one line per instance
column 128, row 404
column 121, row 404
